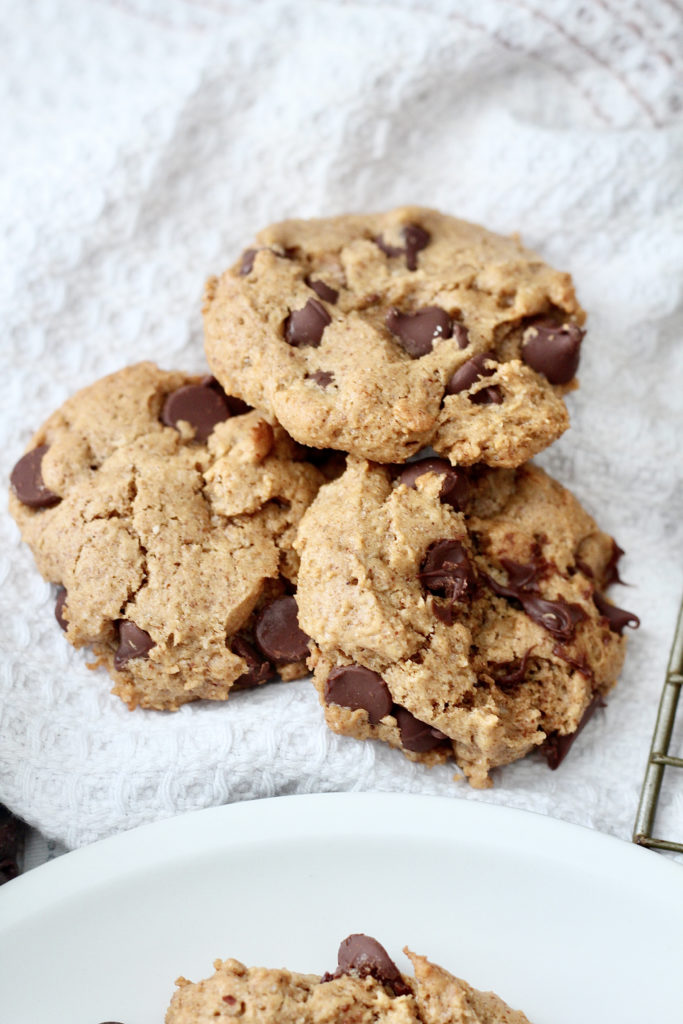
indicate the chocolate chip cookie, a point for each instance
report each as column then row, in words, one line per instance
column 367, row 987
column 165, row 512
column 381, row 334
column 458, row 613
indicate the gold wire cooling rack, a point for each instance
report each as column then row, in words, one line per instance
column 660, row 759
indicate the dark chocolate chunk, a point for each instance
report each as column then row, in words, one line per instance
column 617, row 618
column 323, row 291
column 553, row 350
column 200, row 405
column 418, row 331
column 12, row 832
column 415, row 239
column 322, row 377
column 455, row 488
column 559, row 617
column 461, row 335
column 278, row 633
column 259, row 669
column 447, row 570
column 27, row 480
column 416, row 735
column 510, row 673
column 466, row 375
column 247, row 263
column 362, row 955
column 133, row 643
column 304, row 327
column 555, row 746
column 236, row 406
column 611, row 569
column 59, row 608
column 488, row 396
column 352, row 686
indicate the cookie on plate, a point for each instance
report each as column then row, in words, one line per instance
column 165, row 511
column 366, row 988
column 458, row 613
column 381, row 334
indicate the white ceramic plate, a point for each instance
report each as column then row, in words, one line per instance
column 566, row 924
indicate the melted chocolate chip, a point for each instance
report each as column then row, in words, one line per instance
column 323, row 378
column 416, row 736
column 455, row 488
column 611, row 569
column 278, row 633
column 553, row 350
column 363, row 956
column 133, row 643
column 579, row 662
column 559, row 617
column 304, row 327
column 617, row 618
column 27, row 481
column 418, row 331
column 488, row 396
column 247, row 262
column 415, row 239
column 59, row 608
column 466, row 375
column 323, row 291
column 259, row 669
column 447, row 570
column 510, row 673
column 200, row 405
column 555, row 747
column 354, row 687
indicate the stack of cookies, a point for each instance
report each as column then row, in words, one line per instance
column 350, row 490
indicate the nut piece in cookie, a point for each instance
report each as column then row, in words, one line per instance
column 366, row 987
column 383, row 333
column 458, row 613
column 165, row 512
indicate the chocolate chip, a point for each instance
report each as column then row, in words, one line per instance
column 278, row 633
column 323, row 291
column 352, row 686
column 27, row 481
column 455, row 487
column 304, row 327
column 553, row 350
column 415, row 238
column 416, row 735
column 466, row 375
column 259, row 669
column 617, row 618
column 510, row 673
column 363, row 956
column 200, row 405
column 611, row 569
column 321, row 377
column 555, row 747
column 236, row 406
column 488, row 396
column 418, row 331
column 447, row 570
column 579, row 662
column 59, row 608
column 247, row 263
column 133, row 643
column 559, row 617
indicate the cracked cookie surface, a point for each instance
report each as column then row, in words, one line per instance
column 458, row 613
column 166, row 511
column 366, row 988
column 381, row 334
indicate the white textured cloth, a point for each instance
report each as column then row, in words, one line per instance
column 143, row 145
